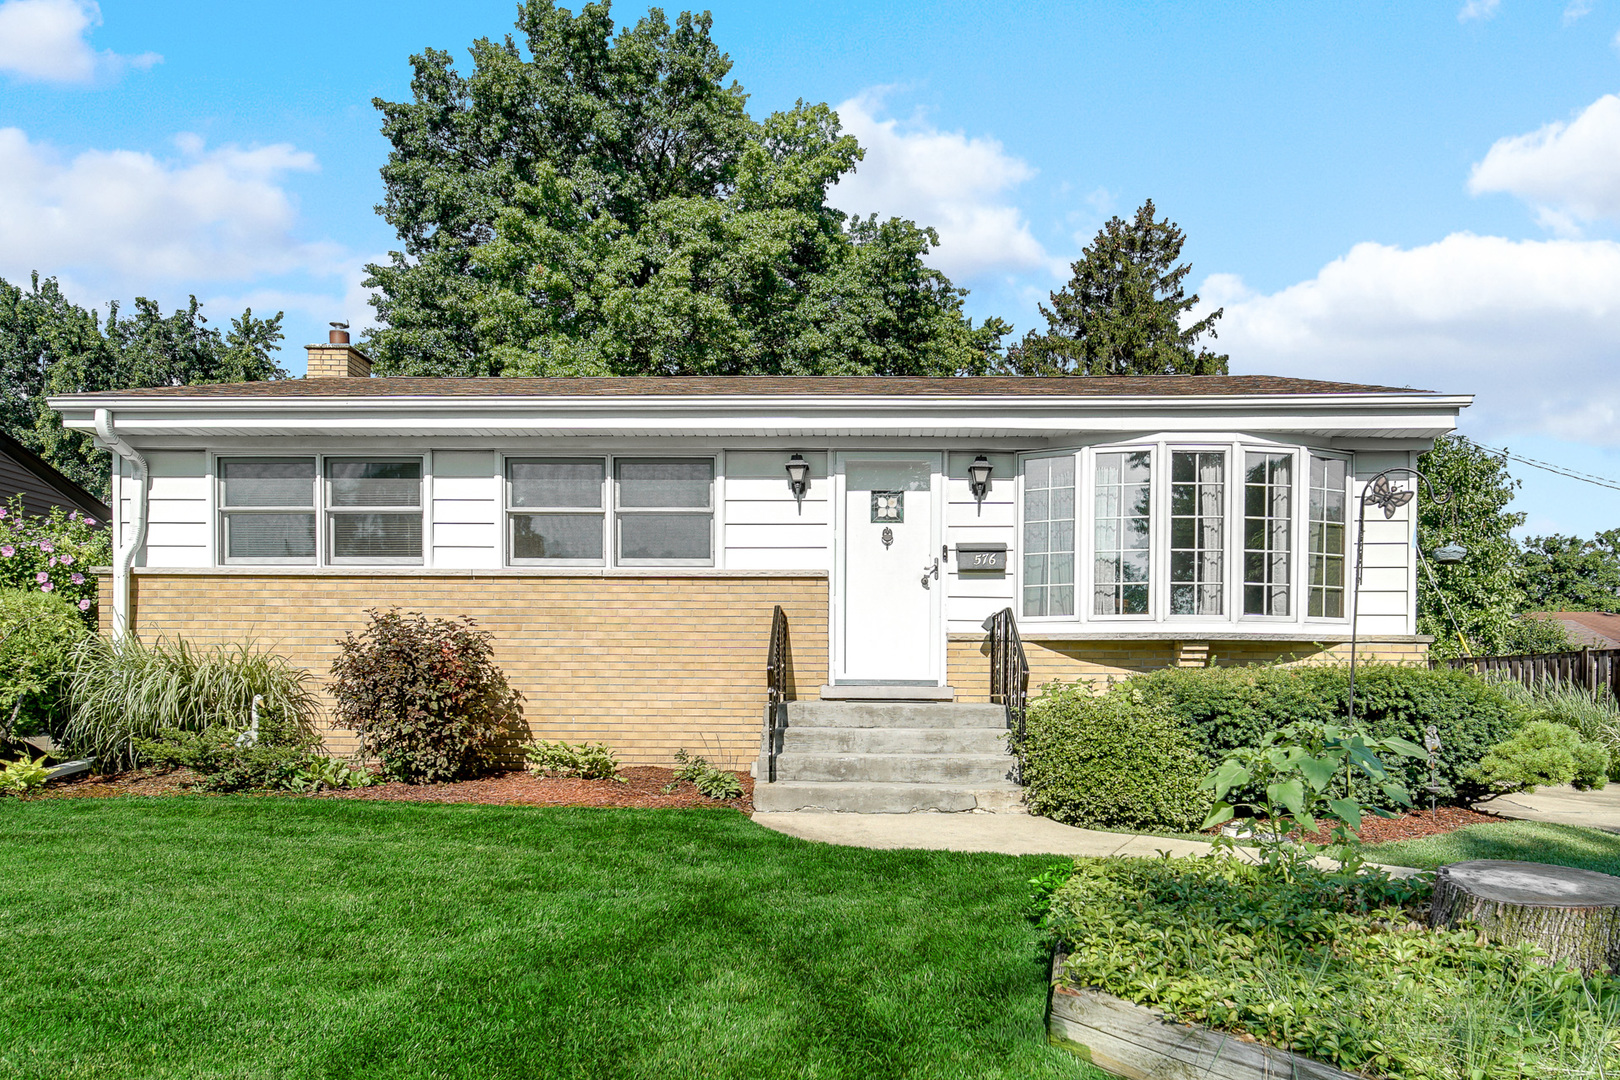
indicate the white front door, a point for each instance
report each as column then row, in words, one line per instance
column 890, row 595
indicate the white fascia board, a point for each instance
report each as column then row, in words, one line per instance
column 1416, row 415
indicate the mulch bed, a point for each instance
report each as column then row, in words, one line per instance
column 643, row 788
column 1413, row 825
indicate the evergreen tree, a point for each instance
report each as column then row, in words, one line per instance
column 1121, row 312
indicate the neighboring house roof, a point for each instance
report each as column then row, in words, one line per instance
column 25, row 473
column 763, row 386
column 1596, row 629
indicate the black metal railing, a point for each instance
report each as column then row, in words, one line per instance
column 1009, row 670
column 776, row 690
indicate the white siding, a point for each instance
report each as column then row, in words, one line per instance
column 466, row 510
column 972, row 597
column 765, row 527
column 179, row 530
column 1384, row 603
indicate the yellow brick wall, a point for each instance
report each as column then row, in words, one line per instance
column 645, row 664
column 968, row 662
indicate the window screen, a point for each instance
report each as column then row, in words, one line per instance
column 1268, row 491
column 555, row 510
column 665, row 510
column 374, row 510
column 1124, row 508
column 1197, row 528
column 1049, row 536
column 268, row 510
column 1327, row 538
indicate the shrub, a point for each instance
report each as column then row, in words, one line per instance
column 226, row 759
column 53, row 554
column 1227, row 708
column 588, row 761
column 1595, row 716
column 124, row 690
column 1115, row 759
column 425, row 696
column 23, row 777
column 1539, row 754
column 37, row 634
column 712, row 783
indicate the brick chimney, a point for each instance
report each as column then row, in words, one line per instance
column 337, row 359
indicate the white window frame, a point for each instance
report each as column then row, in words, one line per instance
column 509, row 511
column 1350, row 508
column 1162, row 551
column 1018, row 547
column 1296, row 531
column 329, row 512
column 223, row 511
column 1086, row 506
column 618, row 513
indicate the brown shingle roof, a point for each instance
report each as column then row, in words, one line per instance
column 1598, row 629
column 768, row 386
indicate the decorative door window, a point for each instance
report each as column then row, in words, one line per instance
column 1197, row 532
column 1326, row 539
column 889, row 506
column 1123, row 534
column 1049, row 536
column 1268, row 526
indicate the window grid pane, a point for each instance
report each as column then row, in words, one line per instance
column 555, row 510
column 1267, row 531
column 672, row 501
column 1123, row 530
column 283, row 485
column 1327, row 539
column 261, row 537
column 358, row 528
column 267, row 510
column 374, row 483
column 556, row 482
column 1197, row 523
column 1049, row 536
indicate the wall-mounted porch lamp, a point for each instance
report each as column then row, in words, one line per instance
column 798, row 471
column 979, row 477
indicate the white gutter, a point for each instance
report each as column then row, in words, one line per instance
column 108, row 436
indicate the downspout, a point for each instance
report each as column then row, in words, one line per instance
column 109, row 438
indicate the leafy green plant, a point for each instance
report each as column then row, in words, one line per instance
column 226, row 759
column 53, row 555
column 425, row 696
column 1595, row 715
column 125, row 690
column 1043, row 886
column 1541, row 753
column 1303, row 773
column 1338, row 967
column 325, row 772
column 712, row 783
column 1115, row 759
column 23, row 777
column 37, row 634
column 588, row 761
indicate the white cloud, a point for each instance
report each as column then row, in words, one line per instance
column 1577, row 10
column 957, row 184
column 122, row 221
column 46, row 41
column 1532, row 327
column 1478, row 9
column 1567, row 171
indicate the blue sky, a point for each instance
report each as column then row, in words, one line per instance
column 1415, row 193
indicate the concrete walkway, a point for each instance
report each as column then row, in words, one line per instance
column 1563, row 806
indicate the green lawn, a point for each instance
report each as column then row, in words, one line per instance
column 1527, row 841
column 283, row 937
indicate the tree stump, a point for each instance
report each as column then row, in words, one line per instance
column 1573, row 914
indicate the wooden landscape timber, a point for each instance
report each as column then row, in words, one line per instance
column 1139, row 1043
column 1573, row 914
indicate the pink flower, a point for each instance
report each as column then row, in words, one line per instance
column 7, row 550
column 67, row 560
column 46, row 546
column 47, row 587
column 2, row 512
column 73, row 516
column 84, row 605
column 90, row 521
column 42, row 577
column 77, row 579
column 53, row 560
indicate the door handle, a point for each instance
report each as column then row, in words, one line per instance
column 930, row 570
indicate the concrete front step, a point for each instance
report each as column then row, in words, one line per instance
column 891, row 740
column 887, row 798
column 896, row 768
column 897, row 714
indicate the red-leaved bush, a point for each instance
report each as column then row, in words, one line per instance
column 425, row 696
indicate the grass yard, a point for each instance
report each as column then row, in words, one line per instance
column 1526, row 841
column 226, row 937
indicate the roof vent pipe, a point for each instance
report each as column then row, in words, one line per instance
column 125, row 559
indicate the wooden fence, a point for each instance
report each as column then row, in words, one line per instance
column 1593, row 669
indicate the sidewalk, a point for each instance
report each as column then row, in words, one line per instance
column 1562, row 806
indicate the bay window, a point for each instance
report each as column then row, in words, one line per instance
column 1325, row 540
column 1197, row 532
column 1123, row 498
column 1268, row 525
column 1049, row 536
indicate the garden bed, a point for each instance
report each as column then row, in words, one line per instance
column 1413, row 825
column 643, row 788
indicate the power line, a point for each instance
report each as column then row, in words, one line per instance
column 1557, row 470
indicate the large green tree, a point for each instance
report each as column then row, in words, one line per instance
column 1566, row 573
column 596, row 203
column 1122, row 312
column 1473, row 605
column 50, row 345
